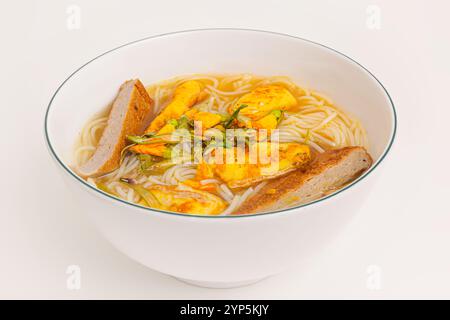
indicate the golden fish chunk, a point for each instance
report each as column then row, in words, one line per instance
column 262, row 100
column 207, row 119
column 185, row 199
column 185, row 96
column 245, row 173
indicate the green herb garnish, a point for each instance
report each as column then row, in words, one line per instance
column 146, row 161
column 124, row 151
column 277, row 113
column 183, row 122
column 104, row 188
column 146, row 195
column 140, row 139
column 229, row 122
column 173, row 122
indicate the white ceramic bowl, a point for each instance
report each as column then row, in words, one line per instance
column 219, row 251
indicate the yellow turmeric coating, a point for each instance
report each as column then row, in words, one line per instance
column 195, row 184
column 268, row 122
column 207, row 119
column 155, row 149
column 262, row 100
column 167, row 129
column 185, row 199
column 185, row 96
column 190, row 113
column 237, row 175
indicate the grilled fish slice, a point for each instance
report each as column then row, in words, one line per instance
column 328, row 172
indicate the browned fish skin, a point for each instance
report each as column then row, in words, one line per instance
column 330, row 170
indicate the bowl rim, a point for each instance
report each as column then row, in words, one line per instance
column 219, row 217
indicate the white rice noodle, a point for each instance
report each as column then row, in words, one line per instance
column 259, row 187
column 209, row 181
column 246, row 194
column 324, row 122
column 129, row 163
column 178, row 173
column 225, row 192
column 130, row 195
column 233, row 206
column 118, row 188
column 321, row 127
column 82, row 154
column 223, row 108
column 238, row 200
column 88, row 140
column 215, row 98
column 210, row 103
column 156, row 104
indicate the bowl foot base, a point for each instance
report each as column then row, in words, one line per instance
column 219, row 285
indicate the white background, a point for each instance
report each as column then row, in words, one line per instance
column 403, row 229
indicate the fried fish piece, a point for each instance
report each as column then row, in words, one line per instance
column 262, row 100
column 185, row 96
column 184, row 199
column 328, row 172
column 244, row 172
